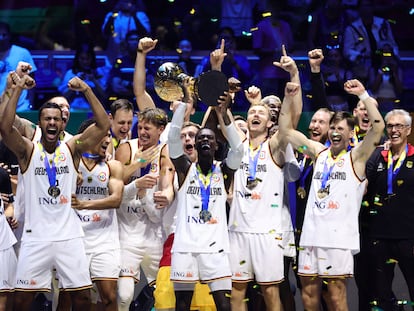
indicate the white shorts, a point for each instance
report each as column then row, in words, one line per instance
column 204, row 267
column 256, row 256
column 8, row 266
column 148, row 258
column 37, row 259
column 325, row 262
column 104, row 265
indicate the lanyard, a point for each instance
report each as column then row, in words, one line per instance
column 253, row 161
column 50, row 165
column 393, row 171
column 205, row 185
column 327, row 171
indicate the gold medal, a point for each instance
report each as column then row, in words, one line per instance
column 301, row 192
column 322, row 193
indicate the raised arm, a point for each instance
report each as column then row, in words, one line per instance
column 286, row 129
column 82, row 142
column 319, row 99
column 234, row 157
column 288, row 64
column 13, row 139
column 175, row 146
column 363, row 150
column 144, row 100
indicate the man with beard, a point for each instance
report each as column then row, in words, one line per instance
column 49, row 174
column 330, row 228
column 201, row 245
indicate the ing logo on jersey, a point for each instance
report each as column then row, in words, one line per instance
column 154, row 168
column 102, row 176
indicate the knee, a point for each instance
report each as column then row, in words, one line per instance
column 109, row 299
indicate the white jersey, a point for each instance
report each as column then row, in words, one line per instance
column 100, row 226
column 49, row 218
column 193, row 234
column 332, row 221
column 7, row 238
column 139, row 221
column 258, row 210
column 19, row 197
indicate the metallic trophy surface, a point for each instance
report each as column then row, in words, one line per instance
column 169, row 81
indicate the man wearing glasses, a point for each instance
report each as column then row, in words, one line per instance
column 390, row 198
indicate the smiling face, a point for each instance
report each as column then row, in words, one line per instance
column 319, row 126
column 148, row 134
column 51, row 124
column 258, row 120
column 121, row 123
column 361, row 116
column 397, row 130
column 205, row 143
column 339, row 135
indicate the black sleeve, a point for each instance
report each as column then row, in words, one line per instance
column 319, row 99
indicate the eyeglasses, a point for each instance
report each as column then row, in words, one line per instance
column 398, row 127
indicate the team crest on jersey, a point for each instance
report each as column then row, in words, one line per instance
column 62, row 157
column 154, row 167
column 215, row 177
column 340, row 162
column 262, row 155
column 102, row 176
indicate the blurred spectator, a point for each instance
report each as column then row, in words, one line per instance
column 84, row 66
column 335, row 73
column 234, row 65
column 121, row 76
column 387, row 86
column 327, row 26
column 362, row 40
column 127, row 15
column 184, row 59
column 268, row 37
column 238, row 14
column 10, row 56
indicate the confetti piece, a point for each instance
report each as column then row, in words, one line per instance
column 373, row 212
column 228, row 295
column 255, row 286
column 245, row 299
column 212, row 244
column 365, row 203
column 242, row 262
column 78, row 141
column 280, row 246
column 220, row 251
column 328, row 267
column 391, row 260
column 301, row 149
column 325, row 282
column 272, row 231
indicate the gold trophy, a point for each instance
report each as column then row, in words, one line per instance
column 169, row 81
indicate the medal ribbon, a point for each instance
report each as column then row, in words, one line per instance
column 253, row 161
column 50, row 166
column 91, row 156
column 327, row 171
column 393, row 171
column 205, row 185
